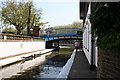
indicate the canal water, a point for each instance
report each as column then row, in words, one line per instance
column 44, row 66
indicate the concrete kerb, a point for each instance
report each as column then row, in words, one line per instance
column 66, row 69
column 16, row 58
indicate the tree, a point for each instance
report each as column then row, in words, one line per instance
column 21, row 14
column 76, row 25
column 73, row 25
column 9, row 30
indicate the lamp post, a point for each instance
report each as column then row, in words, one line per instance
column 49, row 30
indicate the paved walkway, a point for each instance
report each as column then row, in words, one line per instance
column 81, row 68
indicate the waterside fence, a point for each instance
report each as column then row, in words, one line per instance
column 14, row 37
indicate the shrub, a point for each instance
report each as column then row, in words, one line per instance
column 106, row 26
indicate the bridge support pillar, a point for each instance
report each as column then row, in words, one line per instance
column 52, row 44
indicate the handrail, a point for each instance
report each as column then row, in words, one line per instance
column 66, row 36
column 14, row 37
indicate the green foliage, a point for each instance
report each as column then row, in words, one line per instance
column 17, row 14
column 73, row 25
column 9, row 29
column 106, row 25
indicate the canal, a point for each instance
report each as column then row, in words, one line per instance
column 44, row 66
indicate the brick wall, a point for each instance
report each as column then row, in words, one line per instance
column 108, row 64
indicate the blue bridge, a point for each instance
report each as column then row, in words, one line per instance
column 61, row 36
column 52, row 40
column 54, row 36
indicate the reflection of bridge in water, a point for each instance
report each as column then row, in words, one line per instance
column 53, row 40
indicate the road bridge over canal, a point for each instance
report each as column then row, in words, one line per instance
column 52, row 41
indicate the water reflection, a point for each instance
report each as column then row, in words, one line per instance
column 45, row 66
column 18, row 68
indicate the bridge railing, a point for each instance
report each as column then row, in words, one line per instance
column 61, row 30
column 48, row 38
column 13, row 37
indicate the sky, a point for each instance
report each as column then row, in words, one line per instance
column 58, row 12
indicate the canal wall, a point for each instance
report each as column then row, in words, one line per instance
column 66, row 69
column 12, row 70
column 13, row 48
column 14, row 51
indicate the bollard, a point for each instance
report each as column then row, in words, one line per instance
column 4, row 37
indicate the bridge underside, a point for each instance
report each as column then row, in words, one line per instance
column 56, row 42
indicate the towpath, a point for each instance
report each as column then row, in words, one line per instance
column 81, row 68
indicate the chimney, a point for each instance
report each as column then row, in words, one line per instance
column 36, row 30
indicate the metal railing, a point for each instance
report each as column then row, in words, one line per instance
column 61, row 30
column 14, row 37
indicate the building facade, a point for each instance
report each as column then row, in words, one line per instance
column 106, row 60
column 89, row 42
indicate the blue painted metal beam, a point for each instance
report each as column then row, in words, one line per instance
column 61, row 36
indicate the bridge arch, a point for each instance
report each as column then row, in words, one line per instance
column 52, row 41
column 55, row 43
